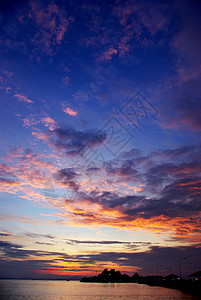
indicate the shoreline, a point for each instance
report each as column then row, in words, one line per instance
column 172, row 281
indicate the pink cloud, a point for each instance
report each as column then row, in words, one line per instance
column 70, row 111
column 52, row 24
column 33, row 120
column 40, row 136
column 49, row 122
column 30, row 121
column 132, row 20
column 108, row 54
column 153, row 17
column 23, row 98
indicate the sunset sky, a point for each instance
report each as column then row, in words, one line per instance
column 100, row 116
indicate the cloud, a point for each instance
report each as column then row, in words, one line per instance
column 30, row 121
column 36, row 28
column 66, row 80
column 43, row 264
column 166, row 194
column 51, row 22
column 130, row 244
column 184, row 103
column 4, row 233
column 9, row 245
column 35, row 119
column 8, row 181
column 25, row 173
column 184, row 93
column 38, row 235
column 156, row 192
column 70, row 111
column 66, row 177
column 49, row 122
column 43, row 243
column 151, row 258
column 23, row 98
column 108, row 54
column 187, row 41
column 74, row 142
column 17, row 261
column 133, row 25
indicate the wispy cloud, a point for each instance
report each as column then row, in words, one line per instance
column 23, row 98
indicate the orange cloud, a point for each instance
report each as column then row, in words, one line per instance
column 25, row 174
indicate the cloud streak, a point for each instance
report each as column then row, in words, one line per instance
column 23, row 98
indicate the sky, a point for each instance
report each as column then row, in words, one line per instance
column 100, row 137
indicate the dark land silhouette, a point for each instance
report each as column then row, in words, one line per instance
column 190, row 286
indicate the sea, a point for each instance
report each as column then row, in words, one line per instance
column 75, row 290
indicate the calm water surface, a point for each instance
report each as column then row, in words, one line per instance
column 71, row 290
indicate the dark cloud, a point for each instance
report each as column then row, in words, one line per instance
column 178, row 199
column 38, row 235
column 89, row 242
column 167, row 172
column 43, row 243
column 158, row 166
column 8, row 245
column 8, row 181
column 92, row 170
column 14, row 250
column 150, row 259
column 177, row 154
column 74, row 142
column 5, row 234
column 67, row 177
column 125, row 170
column 133, row 153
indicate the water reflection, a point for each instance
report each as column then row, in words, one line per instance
column 74, row 290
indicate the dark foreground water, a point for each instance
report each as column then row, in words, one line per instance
column 72, row 290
